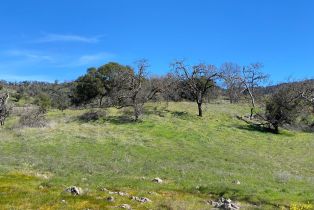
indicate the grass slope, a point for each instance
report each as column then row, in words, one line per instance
column 199, row 158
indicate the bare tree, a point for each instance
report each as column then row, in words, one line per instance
column 3, row 108
column 137, row 95
column 231, row 75
column 135, row 89
column 251, row 78
column 196, row 80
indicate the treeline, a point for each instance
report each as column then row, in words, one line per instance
column 116, row 85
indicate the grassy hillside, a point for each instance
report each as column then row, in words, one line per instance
column 198, row 159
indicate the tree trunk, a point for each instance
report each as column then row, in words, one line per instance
column 100, row 101
column 252, row 112
column 137, row 108
column 276, row 129
column 200, row 111
column 136, row 113
column 136, row 116
column 253, row 103
column 230, row 96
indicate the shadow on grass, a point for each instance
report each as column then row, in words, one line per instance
column 164, row 111
column 180, row 114
column 184, row 115
column 221, row 192
column 92, row 116
column 120, row 120
column 261, row 129
column 155, row 111
column 255, row 128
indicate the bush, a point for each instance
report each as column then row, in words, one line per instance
column 33, row 119
column 282, row 108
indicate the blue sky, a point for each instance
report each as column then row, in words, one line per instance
column 59, row 39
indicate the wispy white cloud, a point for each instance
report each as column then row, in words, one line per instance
column 29, row 55
column 18, row 58
column 93, row 58
column 86, row 60
column 59, row 60
column 67, row 38
column 42, row 65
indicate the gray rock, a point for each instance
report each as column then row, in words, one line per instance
column 125, row 206
column 237, row 182
column 123, row 194
column 118, row 193
column 157, row 180
column 74, row 190
column 141, row 199
column 104, row 190
column 110, row 199
column 225, row 204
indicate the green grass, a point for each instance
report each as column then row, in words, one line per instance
column 199, row 158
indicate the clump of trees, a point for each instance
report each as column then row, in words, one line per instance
column 96, row 84
column 117, row 85
column 122, row 86
column 54, row 95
